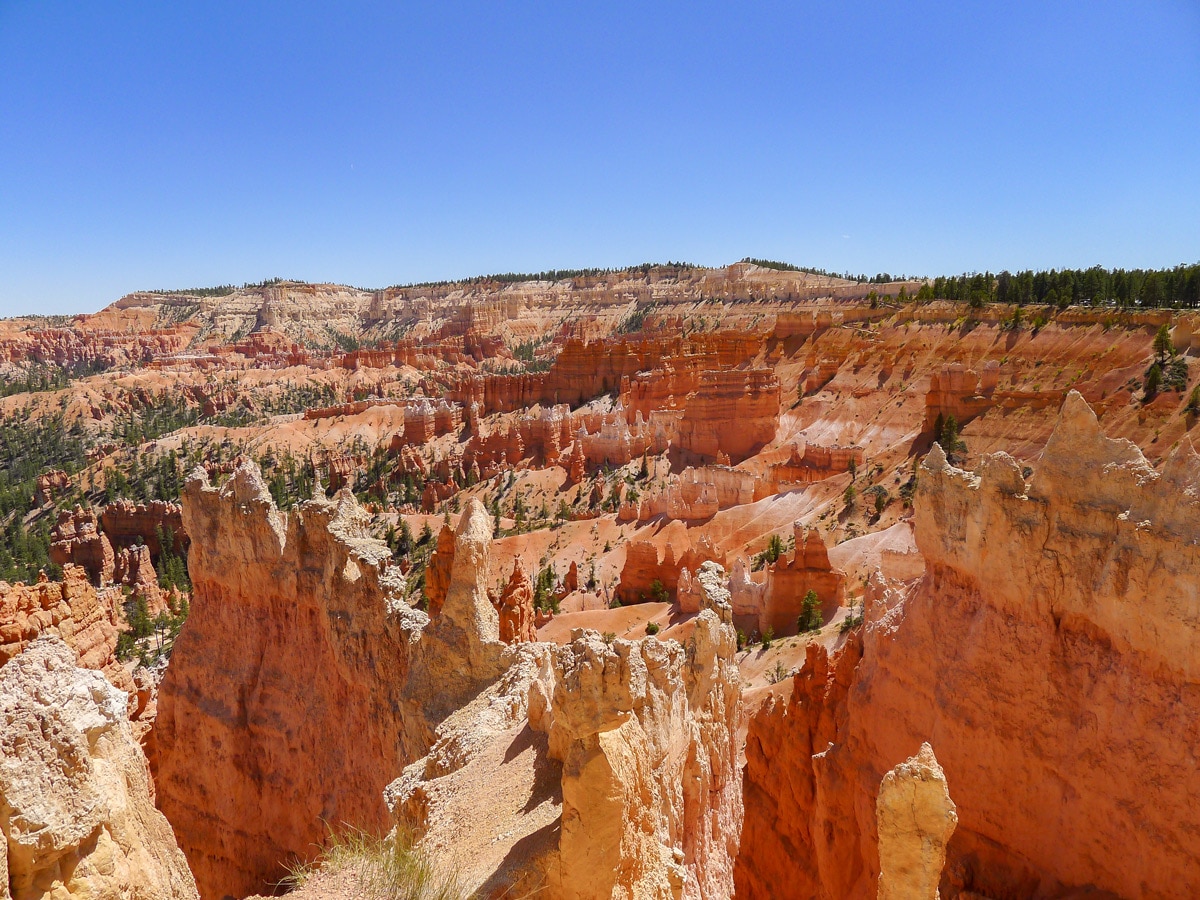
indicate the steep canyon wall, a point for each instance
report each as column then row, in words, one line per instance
column 1049, row 653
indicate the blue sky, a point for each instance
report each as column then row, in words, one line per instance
column 147, row 145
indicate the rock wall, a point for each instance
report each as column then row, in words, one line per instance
column 503, row 844
column 645, row 730
column 77, row 816
column 733, row 412
column 279, row 711
column 70, row 609
column 816, row 463
column 126, row 523
column 960, row 392
column 302, row 683
column 644, row 565
column 700, row 493
column 76, row 540
column 1049, row 648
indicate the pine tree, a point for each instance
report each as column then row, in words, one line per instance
column 949, row 439
column 810, row 613
column 1163, row 348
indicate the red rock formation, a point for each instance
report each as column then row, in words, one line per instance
column 70, row 609
column 50, row 485
column 700, row 493
column 790, row 834
column 816, row 463
column 645, row 732
column 134, row 567
column 279, row 711
column 615, row 440
column 515, row 607
column 820, row 373
column 303, row 683
column 76, row 540
column 577, row 466
column 411, row 461
column 342, row 471
column 434, row 493
column 774, row 598
column 734, row 412
column 494, row 451
column 643, row 566
column 1051, row 628
column 437, row 573
column 570, row 582
column 960, row 392
column 126, row 523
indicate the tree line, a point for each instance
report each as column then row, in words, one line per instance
column 1175, row 288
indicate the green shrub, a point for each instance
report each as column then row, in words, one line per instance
column 810, row 615
column 777, row 674
column 659, row 593
column 1175, row 375
column 1153, row 381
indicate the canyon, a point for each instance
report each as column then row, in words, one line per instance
column 661, row 583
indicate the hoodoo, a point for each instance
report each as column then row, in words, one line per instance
column 283, row 706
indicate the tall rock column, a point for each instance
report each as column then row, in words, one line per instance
column 915, row 819
column 650, row 789
column 1050, row 647
column 284, row 707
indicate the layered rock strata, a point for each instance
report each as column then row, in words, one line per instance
column 646, row 731
column 70, row 609
column 302, row 682
column 76, row 539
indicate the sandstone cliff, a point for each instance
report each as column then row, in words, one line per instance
column 1049, row 648
column 77, row 811
column 282, row 706
column 302, row 682
column 486, row 801
column 610, row 770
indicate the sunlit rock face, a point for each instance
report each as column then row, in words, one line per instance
column 77, row 816
column 283, row 706
column 1049, row 652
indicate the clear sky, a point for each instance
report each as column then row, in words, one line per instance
column 172, row 145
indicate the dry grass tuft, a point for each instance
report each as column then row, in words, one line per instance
column 384, row 869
